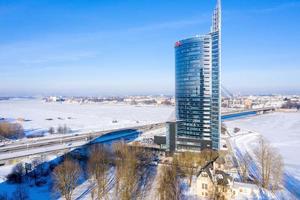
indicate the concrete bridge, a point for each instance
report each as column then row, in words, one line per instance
column 242, row 113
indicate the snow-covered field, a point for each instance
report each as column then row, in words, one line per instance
column 283, row 131
column 39, row 116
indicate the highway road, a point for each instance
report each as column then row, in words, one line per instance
column 32, row 146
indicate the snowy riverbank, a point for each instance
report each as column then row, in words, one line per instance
column 283, row 131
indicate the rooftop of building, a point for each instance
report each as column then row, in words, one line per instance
column 192, row 39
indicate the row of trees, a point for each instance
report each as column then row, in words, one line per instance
column 127, row 169
column 23, row 174
column 60, row 129
column 271, row 165
column 11, row 130
column 289, row 104
column 124, row 168
column 15, row 130
column 34, row 171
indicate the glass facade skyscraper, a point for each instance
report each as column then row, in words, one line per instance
column 198, row 61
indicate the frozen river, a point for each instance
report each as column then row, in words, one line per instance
column 282, row 130
column 40, row 116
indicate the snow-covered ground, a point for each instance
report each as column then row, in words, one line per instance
column 282, row 130
column 42, row 193
column 82, row 191
column 39, row 116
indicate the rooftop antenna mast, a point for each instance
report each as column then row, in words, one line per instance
column 216, row 21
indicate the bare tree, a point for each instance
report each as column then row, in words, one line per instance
column 209, row 155
column 51, row 130
column 132, row 170
column 37, row 164
column 244, row 167
column 223, row 128
column 144, row 172
column 11, row 130
column 277, row 171
column 168, row 183
column 93, row 193
column 16, row 176
column 126, row 171
column 118, row 151
column 98, row 166
column 66, row 176
column 65, row 129
column 264, row 159
column 189, row 162
column 60, row 130
column 270, row 164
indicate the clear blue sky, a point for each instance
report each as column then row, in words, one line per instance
column 112, row 47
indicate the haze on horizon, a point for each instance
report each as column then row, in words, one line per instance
column 126, row 47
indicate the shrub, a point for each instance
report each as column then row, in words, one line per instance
column 11, row 130
column 16, row 176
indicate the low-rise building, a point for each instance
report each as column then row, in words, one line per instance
column 241, row 190
column 214, row 182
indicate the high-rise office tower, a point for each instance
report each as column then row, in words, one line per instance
column 198, row 62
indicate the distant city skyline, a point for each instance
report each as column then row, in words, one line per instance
column 126, row 47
